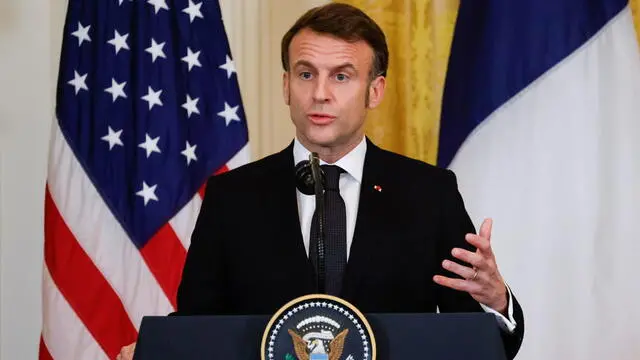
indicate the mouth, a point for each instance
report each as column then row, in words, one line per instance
column 321, row 118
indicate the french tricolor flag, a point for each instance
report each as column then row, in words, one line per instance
column 541, row 123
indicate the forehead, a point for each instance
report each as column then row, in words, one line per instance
column 326, row 50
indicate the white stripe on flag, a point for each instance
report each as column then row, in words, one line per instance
column 185, row 220
column 62, row 327
column 240, row 158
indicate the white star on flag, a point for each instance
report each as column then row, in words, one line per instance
column 113, row 138
column 190, row 153
column 229, row 66
column 156, row 50
column 116, row 90
column 229, row 113
column 158, row 4
column 119, row 41
column 153, row 97
column 148, row 193
column 192, row 58
column 193, row 10
column 78, row 81
column 150, row 145
column 82, row 33
column 191, row 105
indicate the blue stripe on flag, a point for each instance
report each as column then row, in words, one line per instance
column 500, row 47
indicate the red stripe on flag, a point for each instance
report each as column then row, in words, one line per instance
column 221, row 170
column 43, row 353
column 83, row 286
column 202, row 190
column 165, row 256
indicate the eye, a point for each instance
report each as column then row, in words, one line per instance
column 305, row 75
column 342, row 77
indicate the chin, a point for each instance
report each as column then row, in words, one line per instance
column 323, row 139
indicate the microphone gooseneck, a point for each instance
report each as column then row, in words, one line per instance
column 310, row 181
column 319, row 193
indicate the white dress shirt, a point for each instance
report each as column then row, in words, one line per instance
column 350, row 182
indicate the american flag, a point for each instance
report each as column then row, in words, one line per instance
column 147, row 108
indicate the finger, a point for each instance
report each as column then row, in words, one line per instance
column 471, row 258
column 463, row 271
column 485, row 229
column 457, row 284
column 479, row 243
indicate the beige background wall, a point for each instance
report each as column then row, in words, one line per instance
column 30, row 38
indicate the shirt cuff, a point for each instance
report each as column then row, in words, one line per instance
column 509, row 324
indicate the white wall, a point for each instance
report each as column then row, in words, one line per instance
column 26, row 98
column 30, row 38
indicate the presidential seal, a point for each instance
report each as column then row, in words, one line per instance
column 318, row 327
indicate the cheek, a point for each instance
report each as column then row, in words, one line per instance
column 297, row 95
column 352, row 94
column 296, row 103
column 297, row 109
column 353, row 104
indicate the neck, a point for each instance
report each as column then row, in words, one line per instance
column 332, row 153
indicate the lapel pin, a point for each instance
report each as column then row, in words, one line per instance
column 377, row 188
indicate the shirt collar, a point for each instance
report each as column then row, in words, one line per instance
column 352, row 162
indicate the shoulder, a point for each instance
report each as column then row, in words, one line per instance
column 252, row 174
column 411, row 170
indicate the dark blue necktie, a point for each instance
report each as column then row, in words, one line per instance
column 335, row 232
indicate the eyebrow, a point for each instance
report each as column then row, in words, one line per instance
column 344, row 66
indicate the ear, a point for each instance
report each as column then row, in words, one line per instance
column 285, row 87
column 376, row 91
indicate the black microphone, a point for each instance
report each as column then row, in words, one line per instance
column 305, row 180
column 310, row 180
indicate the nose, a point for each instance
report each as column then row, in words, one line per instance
column 321, row 92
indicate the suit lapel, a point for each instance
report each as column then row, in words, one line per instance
column 283, row 206
column 368, row 226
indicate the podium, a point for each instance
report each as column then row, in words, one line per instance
column 450, row 336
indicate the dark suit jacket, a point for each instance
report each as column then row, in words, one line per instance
column 247, row 254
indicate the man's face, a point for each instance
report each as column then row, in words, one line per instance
column 328, row 89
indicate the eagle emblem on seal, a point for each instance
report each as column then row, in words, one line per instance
column 312, row 346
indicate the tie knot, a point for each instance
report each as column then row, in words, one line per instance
column 332, row 176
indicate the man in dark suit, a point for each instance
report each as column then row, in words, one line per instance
column 409, row 245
